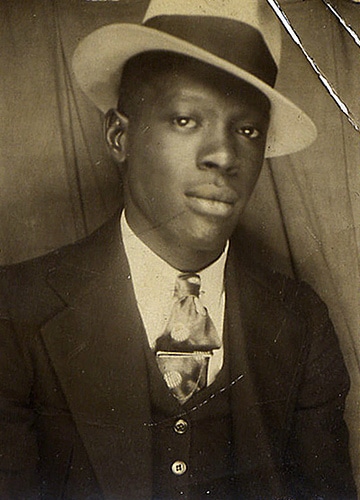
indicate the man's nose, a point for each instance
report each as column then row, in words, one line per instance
column 219, row 151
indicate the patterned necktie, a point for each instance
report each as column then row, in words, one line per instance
column 184, row 350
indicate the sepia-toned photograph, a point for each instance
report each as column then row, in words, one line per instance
column 179, row 250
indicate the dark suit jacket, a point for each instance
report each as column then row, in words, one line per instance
column 74, row 391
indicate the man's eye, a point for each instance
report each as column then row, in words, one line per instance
column 249, row 132
column 185, row 122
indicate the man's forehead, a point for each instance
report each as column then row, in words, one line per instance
column 163, row 72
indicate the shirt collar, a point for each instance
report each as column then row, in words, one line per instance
column 153, row 279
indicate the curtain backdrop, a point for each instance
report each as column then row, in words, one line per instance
column 58, row 184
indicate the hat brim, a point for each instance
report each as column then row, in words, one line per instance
column 100, row 57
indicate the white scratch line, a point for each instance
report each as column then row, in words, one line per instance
column 197, row 407
column 335, row 96
column 342, row 21
column 313, row 235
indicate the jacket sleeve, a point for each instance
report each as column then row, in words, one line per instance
column 318, row 445
column 18, row 444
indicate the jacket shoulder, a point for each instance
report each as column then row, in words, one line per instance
column 24, row 287
column 293, row 294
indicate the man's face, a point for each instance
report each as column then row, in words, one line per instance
column 195, row 147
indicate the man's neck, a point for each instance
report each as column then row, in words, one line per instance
column 179, row 257
column 182, row 258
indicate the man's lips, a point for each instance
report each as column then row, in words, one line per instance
column 209, row 192
column 208, row 200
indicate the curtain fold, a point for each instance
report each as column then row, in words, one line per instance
column 318, row 189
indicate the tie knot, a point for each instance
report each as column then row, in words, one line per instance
column 187, row 284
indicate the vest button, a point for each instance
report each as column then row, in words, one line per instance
column 180, row 426
column 179, row 468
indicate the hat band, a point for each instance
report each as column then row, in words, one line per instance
column 234, row 41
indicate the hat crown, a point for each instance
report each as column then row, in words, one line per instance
column 241, row 37
column 255, row 13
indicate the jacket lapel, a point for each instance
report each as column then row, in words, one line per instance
column 262, row 333
column 96, row 345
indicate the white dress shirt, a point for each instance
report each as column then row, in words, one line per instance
column 154, row 280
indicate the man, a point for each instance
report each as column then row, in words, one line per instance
column 154, row 359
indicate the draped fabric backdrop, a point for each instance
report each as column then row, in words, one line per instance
column 58, row 184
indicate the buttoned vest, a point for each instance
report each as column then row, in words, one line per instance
column 192, row 443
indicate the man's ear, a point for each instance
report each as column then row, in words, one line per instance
column 116, row 126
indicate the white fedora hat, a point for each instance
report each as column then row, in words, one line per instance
column 241, row 37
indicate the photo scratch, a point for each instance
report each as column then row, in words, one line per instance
column 343, row 23
column 200, row 405
column 274, row 4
